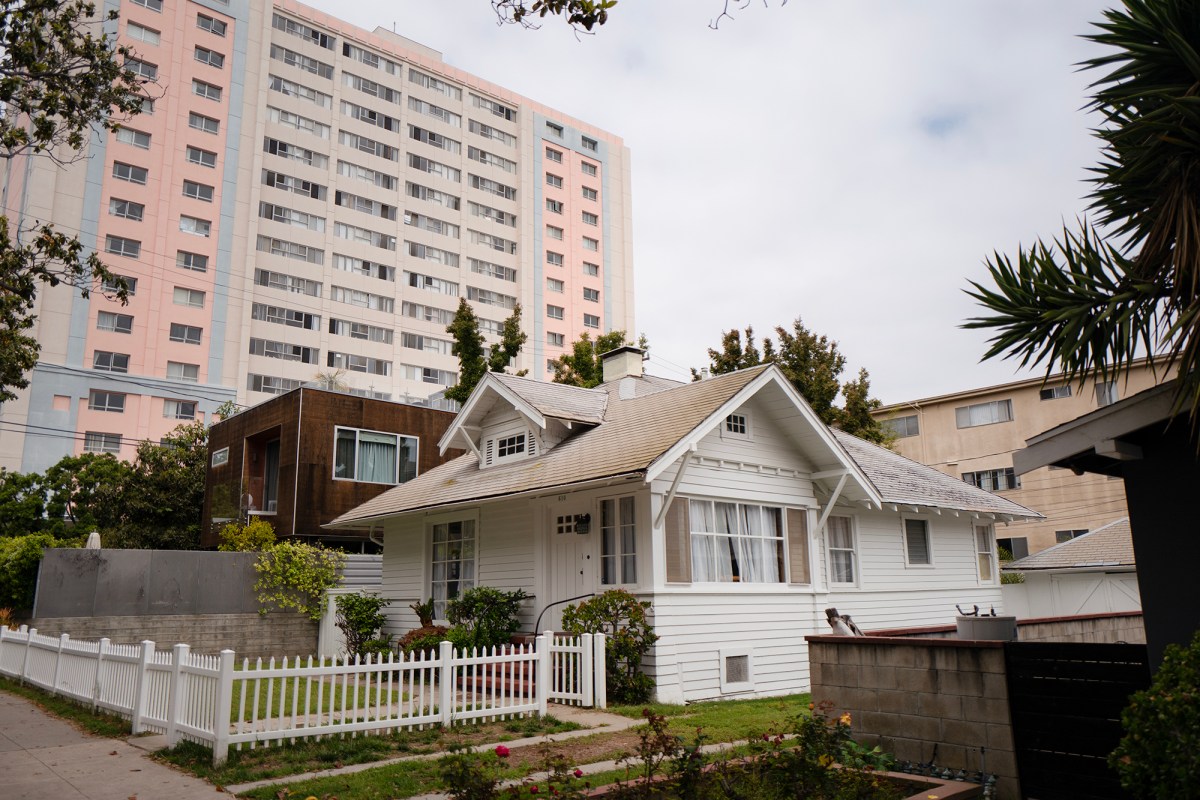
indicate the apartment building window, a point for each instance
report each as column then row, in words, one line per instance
column 843, row 556
column 293, row 89
column 354, row 297
column 368, row 333
column 591, row 321
column 495, row 187
column 186, row 334
column 370, row 116
column 106, row 401
column 554, row 285
column 493, row 242
column 1055, row 392
column 1066, row 536
column 94, row 442
column 590, row 269
column 373, row 456
column 589, row 193
column 427, row 344
column 210, row 24
column 590, row 219
column 488, row 132
column 1013, row 547
column 437, row 85
column 591, row 295
column 551, row 366
column 491, row 159
column 120, row 246
column 903, row 427
column 1106, row 393
column 292, row 250
column 302, row 154
column 286, row 316
column 554, row 128
column 113, row 285
column 554, row 180
column 439, row 316
column 107, row 361
column 179, row 409
column 370, row 59
column 587, row 169
column 126, row 209
column 993, row 480
column 187, row 373
column 269, row 384
column 491, row 298
column 368, row 145
column 437, row 112
column 554, row 206
column 283, row 350
column 195, row 226
column 198, row 191
column 153, row 5
column 499, row 109
column 434, row 254
column 554, row 232
column 289, row 183
column 209, row 91
column 554, row 259
column 210, row 57
column 302, row 31
column 983, row 414
column 591, row 244
column 117, row 323
column 147, row 106
column 917, row 551
column 142, row 34
column 434, row 139
column 432, row 195
column 141, row 68
column 195, row 155
column 193, row 261
column 431, row 224
column 496, row 215
column 359, row 266
column 371, row 87
column 356, row 234
column 590, row 144
column 288, row 283
column 554, row 155
column 294, row 59
column 554, row 312
column 138, row 139
column 555, row 339
column 290, row 216
column 183, row 296
column 128, row 172
column 492, row 270
column 357, row 363
column 431, row 284
column 200, row 122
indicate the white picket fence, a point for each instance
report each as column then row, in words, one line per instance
column 209, row 700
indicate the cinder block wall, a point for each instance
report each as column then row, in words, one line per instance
column 907, row 694
column 1106, row 629
column 249, row 635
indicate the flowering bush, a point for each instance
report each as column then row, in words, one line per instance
column 472, row 776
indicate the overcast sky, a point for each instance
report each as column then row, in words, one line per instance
column 850, row 163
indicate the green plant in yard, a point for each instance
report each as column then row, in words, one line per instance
column 360, row 618
column 255, row 536
column 424, row 612
column 295, row 575
column 19, row 560
column 1159, row 757
column 622, row 618
column 485, row 617
column 420, row 640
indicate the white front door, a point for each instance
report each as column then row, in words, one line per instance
column 574, row 563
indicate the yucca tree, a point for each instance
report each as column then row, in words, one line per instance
column 1127, row 283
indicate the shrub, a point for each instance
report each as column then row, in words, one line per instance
column 622, row 618
column 19, row 560
column 295, row 575
column 255, row 536
column 424, row 611
column 360, row 618
column 485, row 617
column 1159, row 757
column 423, row 639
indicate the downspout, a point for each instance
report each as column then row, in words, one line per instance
column 684, row 460
column 296, row 465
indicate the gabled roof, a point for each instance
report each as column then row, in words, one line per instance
column 646, row 428
column 903, row 482
column 1106, row 547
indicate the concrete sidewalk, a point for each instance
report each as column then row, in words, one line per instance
column 47, row 758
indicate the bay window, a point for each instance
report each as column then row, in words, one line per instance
column 735, row 542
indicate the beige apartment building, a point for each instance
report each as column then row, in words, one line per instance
column 973, row 434
column 299, row 196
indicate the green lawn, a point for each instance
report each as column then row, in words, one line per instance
column 725, row 720
column 276, row 697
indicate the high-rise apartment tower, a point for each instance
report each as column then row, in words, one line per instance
column 305, row 196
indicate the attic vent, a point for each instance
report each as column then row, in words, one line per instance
column 488, row 450
column 531, row 444
column 737, row 669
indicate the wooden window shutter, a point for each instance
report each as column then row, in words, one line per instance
column 678, row 539
column 797, row 532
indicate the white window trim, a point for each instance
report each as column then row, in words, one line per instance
column 597, row 519
column 356, row 479
column 744, row 437
column 841, row 585
column 994, row 553
column 220, row 457
column 427, row 560
column 728, row 687
column 928, row 540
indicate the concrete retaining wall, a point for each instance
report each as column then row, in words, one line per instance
column 1111, row 628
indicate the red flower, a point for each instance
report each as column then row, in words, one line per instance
column 578, row 773
column 501, row 751
column 533, row 790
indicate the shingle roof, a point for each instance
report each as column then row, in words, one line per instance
column 558, row 400
column 905, row 482
column 1109, row 546
column 634, row 433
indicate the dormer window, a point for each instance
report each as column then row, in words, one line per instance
column 737, row 426
column 510, row 446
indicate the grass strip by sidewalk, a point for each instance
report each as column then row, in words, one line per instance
column 99, row 723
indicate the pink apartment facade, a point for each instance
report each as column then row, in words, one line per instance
column 305, row 196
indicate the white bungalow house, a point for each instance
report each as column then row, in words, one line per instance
column 726, row 502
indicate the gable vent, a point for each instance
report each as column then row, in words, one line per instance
column 489, row 449
column 530, row 443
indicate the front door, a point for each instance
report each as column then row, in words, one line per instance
column 574, row 564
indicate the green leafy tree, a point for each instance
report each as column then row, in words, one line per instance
column 473, row 360
column 161, row 504
column 1095, row 298
column 22, row 504
column 295, row 575
column 582, row 366
column 19, row 560
column 814, row 365
column 582, row 15
column 86, row 490
column 61, row 77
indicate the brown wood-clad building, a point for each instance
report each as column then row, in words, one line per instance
column 301, row 459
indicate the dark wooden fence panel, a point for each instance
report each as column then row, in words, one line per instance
column 1066, row 700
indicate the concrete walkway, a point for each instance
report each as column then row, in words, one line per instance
column 47, row 758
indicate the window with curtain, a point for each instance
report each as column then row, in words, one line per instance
column 373, row 456
column 618, row 542
column 735, row 542
column 843, row 567
column 453, row 566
